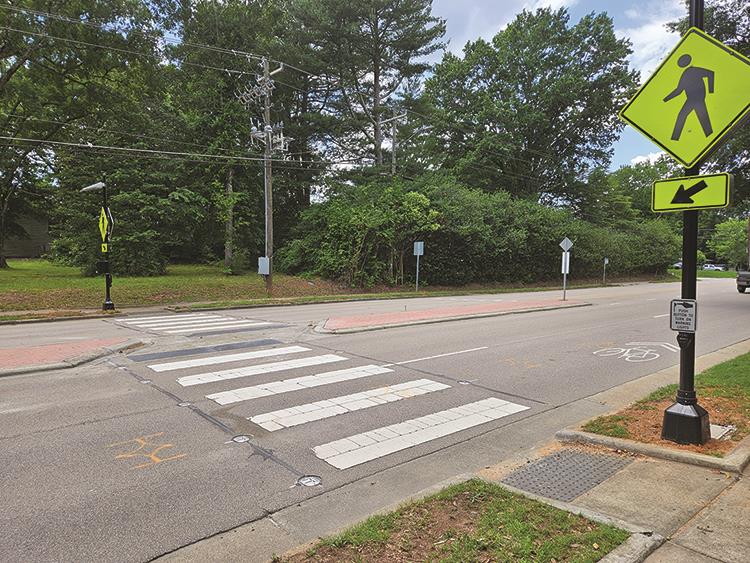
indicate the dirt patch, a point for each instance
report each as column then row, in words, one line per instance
column 642, row 422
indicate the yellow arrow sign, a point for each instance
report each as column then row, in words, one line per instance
column 691, row 192
column 698, row 93
column 103, row 224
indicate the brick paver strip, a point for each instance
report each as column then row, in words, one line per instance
column 396, row 317
column 51, row 353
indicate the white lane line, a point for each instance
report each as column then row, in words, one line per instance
column 177, row 322
column 380, row 442
column 213, row 360
column 173, row 317
column 185, row 324
column 615, row 303
column 660, row 316
column 296, row 384
column 211, row 376
column 301, row 414
column 652, row 299
column 438, row 356
column 236, row 324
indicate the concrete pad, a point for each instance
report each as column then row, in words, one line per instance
column 722, row 530
column 658, row 495
column 671, row 553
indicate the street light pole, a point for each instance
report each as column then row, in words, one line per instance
column 105, row 225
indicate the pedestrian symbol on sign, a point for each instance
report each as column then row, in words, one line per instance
column 692, row 83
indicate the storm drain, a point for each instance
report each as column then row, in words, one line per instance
column 565, row 475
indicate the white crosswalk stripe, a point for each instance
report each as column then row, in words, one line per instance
column 227, row 358
column 372, row 441
column 301, row 414
column 236, row 324
column 367, row 446
column 191, row 323
column 296, row 384
column 212, row 376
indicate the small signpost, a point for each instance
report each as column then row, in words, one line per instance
column 264, row 266
column 696, row 96
column 683, row 315
column 566, row 244
column 604, row 277
column 418, row 251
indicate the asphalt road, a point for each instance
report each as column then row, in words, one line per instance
column 132, row 457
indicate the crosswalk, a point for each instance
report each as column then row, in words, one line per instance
column 192, row 323
column 293, row 377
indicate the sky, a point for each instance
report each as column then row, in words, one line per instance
column 642, row 21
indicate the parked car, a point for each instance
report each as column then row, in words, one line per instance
column 714, row 267
column 677, row 265
column 743, row 281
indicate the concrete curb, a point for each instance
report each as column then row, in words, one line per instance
column 77, row 360
column 733, row 463
column 635, row 549
column 58, row 319
column 320, row 327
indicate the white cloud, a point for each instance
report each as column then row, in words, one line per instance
column 651, row 39
column 554, row 4
column 650, row 157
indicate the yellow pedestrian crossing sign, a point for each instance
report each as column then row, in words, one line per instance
column 698, row 93
column 691, row 192
column 103, row 224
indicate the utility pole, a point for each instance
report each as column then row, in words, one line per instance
column 272, row 137
column 394, row 144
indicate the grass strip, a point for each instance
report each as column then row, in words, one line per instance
column 39, row 285
column 723, row 390
column 471, row 521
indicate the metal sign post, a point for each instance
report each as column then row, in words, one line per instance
column 418, row 251
column 604, row 277
column 566, row 244
column 106, row 224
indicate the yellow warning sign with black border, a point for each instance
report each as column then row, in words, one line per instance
column 710, row 191
column 693, row 99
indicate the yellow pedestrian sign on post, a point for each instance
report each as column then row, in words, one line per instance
column 698, row 93
column 691, row 192
column 103, row 225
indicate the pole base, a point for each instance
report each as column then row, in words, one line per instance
column 686, row 424
column 108, row 306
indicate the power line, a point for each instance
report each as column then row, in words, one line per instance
column 170, row 153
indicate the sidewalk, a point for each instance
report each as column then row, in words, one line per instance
column 57, row 356
column 338, row 325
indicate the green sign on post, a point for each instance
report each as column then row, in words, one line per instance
column 697, row 94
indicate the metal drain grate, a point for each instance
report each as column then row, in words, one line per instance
column 565, row 475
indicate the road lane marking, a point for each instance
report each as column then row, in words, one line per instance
column 309, row 412
column 212, row 376
column 186, row 322
column 367, row 446
column 661, row 316
column 235, row 324
column 213, row 360
column 169, row 317
column 296, row 384
column 438, row 356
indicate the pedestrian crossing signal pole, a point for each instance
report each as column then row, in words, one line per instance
column 686, row 422
column 105, row 227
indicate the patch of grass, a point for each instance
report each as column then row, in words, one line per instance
column 725, row 388
column 472, row 521
column 609, row 425
column 39, row 285
column 706, row 273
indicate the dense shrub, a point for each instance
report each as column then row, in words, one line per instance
column 470, row 236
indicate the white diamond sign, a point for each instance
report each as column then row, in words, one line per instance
column 566, row 244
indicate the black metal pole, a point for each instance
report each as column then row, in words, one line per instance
column 108, row 305
column 686, row 422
